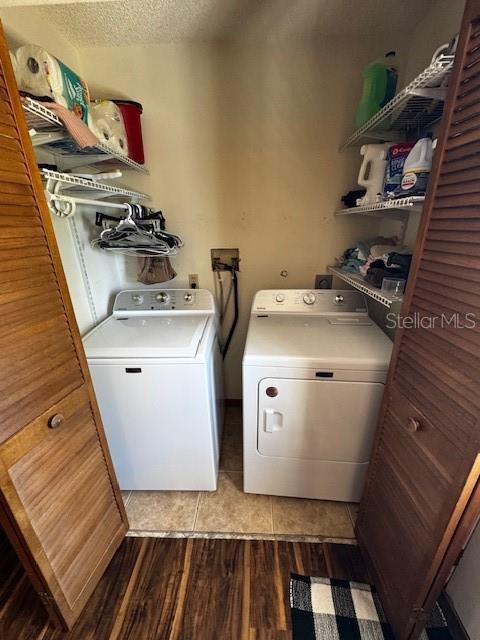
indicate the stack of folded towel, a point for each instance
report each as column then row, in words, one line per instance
column 376, row 259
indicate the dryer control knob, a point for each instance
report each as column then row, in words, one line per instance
column 309, row 298
column 188, row 297
column 161, row 297
column 280, row 297
column 339, row 299
column 137, row 299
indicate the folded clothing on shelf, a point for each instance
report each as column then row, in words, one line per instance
column 350, row 198
column 41, row 74
column 354, row 259
column 402, row 260
column 377, row 252
column 396, row 265
column 376, row 259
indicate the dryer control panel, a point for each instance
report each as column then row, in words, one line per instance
column 159, row 301
column 313, row 301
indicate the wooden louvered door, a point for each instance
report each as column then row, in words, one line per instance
column 425, row 465
column 59, row 499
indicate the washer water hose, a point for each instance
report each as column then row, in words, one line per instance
column 234, row 285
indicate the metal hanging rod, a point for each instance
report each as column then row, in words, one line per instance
column 64, row 205
column 78, row 183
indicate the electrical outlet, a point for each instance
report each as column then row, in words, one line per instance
column 225, row 259
column 193, row 280
column 323, row 281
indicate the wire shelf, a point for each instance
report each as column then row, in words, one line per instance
column 385, row 208
column 74, row 185
column 369, row 290
column 69, row 155
column 417, row 106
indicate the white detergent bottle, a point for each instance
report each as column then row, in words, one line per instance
column 416, row 169
column 372, row 172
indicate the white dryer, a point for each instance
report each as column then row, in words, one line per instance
column 156, row 369
column 314, row 370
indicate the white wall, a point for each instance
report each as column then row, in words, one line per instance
column 242, row 145
column 241, row 142
column 93, row 277
column 464, row 587
column 440, row 24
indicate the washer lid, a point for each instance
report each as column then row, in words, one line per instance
column 314, row 341
column 175, row 336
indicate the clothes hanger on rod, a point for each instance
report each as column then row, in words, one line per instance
column 136, row 236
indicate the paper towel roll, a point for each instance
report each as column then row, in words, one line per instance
column 41, row 74
column 106, row 122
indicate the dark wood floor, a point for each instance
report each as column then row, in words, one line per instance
column 180, row 589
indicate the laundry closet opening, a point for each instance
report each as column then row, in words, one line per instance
column 225, row 229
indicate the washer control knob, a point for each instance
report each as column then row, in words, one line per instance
column 339, row 299
column 280, row 297
column 188, row 297
column 309, row 298
column 137, row 298
column 161, row 297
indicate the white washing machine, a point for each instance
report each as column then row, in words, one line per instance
column 314, row 370
column 156, row 369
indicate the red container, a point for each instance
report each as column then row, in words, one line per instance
column 131, row 112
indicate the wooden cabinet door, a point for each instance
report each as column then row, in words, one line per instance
column 55, row 485
column 425, row 463
column 59, row 499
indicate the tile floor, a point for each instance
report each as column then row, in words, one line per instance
column 230, row 511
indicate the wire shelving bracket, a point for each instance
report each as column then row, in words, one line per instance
column 68, row 155
column 369, row 290
column 385, row 208
column 418, row 105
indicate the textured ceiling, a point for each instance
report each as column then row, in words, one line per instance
column 153, row 21
column 6, row 4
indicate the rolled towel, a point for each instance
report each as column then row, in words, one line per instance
column 106, row 122
column 41, row 74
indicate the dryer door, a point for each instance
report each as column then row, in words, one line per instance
column 317, row 419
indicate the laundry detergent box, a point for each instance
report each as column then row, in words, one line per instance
column 396, row 156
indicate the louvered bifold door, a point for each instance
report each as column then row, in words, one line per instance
column 425, row 459
column 38, row 359
column 59, row 499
